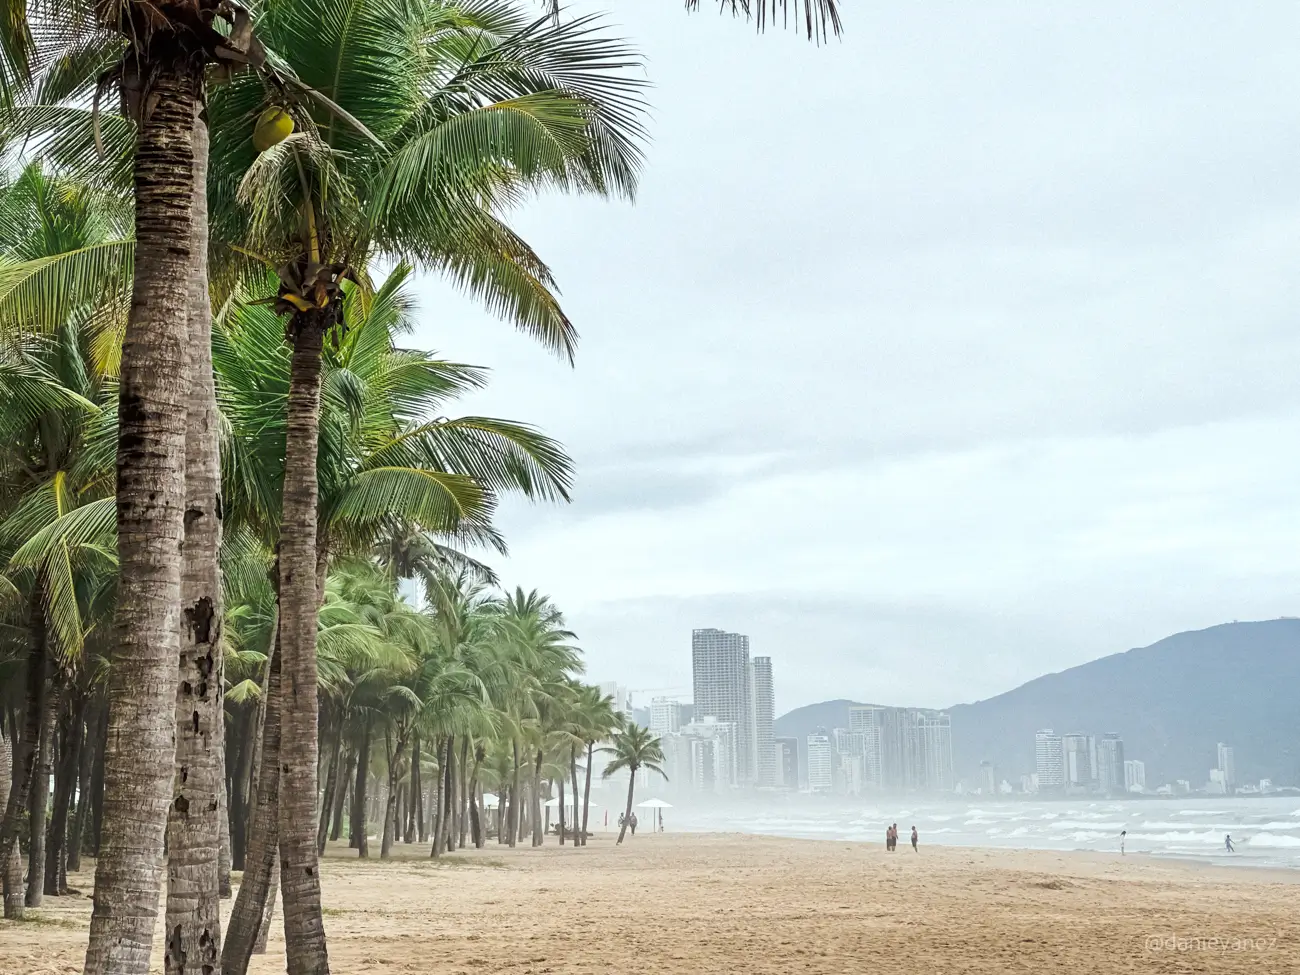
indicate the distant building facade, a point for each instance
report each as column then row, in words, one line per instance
column 1135, row 775
column 722, row 683
column 763, row 696
column 788, row 762
column 1078, row 767
column 1110, row 764
column 1228, row 766
column 820, row 763
column 1049, row 760
column 665, row 716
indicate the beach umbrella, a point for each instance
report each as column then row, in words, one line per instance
column 658, row 805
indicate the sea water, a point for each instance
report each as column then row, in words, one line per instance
column 1265, row 831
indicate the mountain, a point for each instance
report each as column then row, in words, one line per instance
column 804, row 721
column 1172, row 702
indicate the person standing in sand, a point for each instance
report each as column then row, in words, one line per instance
column 1227, row 842
column 1122, row 835
column 914, row 838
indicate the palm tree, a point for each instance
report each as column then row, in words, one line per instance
column 634, row 748
column 595, row 720
column 437, row 158
column 166, row 48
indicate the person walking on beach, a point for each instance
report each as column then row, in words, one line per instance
column 914, row 849
column 1227, row 841
column 1122, row 835
column 632, row 822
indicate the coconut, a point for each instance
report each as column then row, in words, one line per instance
column 273, row 127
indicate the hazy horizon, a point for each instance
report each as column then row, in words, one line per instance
column 962, row 355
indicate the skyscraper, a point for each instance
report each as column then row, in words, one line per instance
column 720, row 668
column 936, row 734
column 764, row 699
column 820, row 763
column 1078, row 765
column 1110, row 764
column 870, row 723
column 619, row 692
column 1228, row 767
column 1135, row 776
column 788, row 766
column 665, row 716
column 1049, row 760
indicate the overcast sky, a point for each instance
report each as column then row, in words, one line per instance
column 956, row 352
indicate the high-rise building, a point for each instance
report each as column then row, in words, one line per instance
column 870, row 723
column 1078, row 768
column 713, row 753
column 820, row 763
column 764, row 698
column 720, row 668
column 1228, row 766
column 677, row 762
column 988, row 779
column 1218, row 782
column 665, row 716
column 1110, row 764
column 935, row 734
column 1135, row 775
column 904, row 749
column 788, row 763
column 1049, row 760
column 619, row 692
column 1093, row 767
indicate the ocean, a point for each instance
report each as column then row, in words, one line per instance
column 1265, row 831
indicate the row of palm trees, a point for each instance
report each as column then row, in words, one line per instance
column 184, row 340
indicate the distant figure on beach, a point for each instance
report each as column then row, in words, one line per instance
column 914, row 850
column 632, row 822
column 1227, row 841
column 621, row 818
column 889, row 839
column 1122, row 835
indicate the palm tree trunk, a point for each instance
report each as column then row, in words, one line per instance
column 38, row 802
column 140, row 748
column 462, row 793
column 193, row 942
column 11, row 867
column 627, row 814
column 257, row 887
column 224, row 890
column 390, row 807
column 445, row 797
column 340, row 797
column 561, row 781
column 28, row 746
column 65, row 784
column 242, row 782
column 332, row 784
column 513, row 819
column 304, row 928
column 82, row 815
column 586, row 793
column 360, row 838
column 538, row 835
column 579, row 839
column 415, row 820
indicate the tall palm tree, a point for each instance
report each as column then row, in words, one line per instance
column 595, row 720
column 164, row 50
column 461, row 110
column 634, row 748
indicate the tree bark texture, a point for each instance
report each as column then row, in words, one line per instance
column 260, row 861
column 304, row 928
column 11, row 867
column 193, row 942
column 140, row 747
column 38, row 799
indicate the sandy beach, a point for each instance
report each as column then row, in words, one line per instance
column 729, row 903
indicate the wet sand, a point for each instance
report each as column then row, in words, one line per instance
column 713, row 903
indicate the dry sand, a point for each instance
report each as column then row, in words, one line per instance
column 724, row 903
